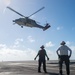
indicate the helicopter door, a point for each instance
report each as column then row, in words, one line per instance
column 33, row 22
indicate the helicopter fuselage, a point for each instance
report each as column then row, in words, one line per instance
column 25, row 22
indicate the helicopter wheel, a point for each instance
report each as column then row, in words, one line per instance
column 21, row 26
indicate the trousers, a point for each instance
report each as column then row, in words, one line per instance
column 40, row 62
column 64, row 58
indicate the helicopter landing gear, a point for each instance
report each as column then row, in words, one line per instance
column 21, row 26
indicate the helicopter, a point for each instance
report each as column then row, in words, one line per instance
column 26, row 21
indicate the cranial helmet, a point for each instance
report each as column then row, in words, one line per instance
column 42, row 46
column 63, row 43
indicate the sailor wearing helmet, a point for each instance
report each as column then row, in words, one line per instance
column 64, row 53
column 42, row 54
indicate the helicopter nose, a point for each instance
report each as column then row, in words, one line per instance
column 13, row 20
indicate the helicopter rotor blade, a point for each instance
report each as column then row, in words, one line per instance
column 15, row 11
column 36, row 11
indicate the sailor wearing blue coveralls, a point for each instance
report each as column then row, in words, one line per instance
column 42, row 54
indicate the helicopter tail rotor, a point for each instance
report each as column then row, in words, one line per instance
column 46, row 27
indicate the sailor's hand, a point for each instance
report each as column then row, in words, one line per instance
column 69, row 56
column 59, row 56
column 47, row 58
column 34, row 58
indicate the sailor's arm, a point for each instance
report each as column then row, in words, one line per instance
column 47, row 56
column 36, row 56
column 70, row 52
column 58, row 51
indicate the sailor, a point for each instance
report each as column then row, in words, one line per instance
column 64, row 53
column 42, row 54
